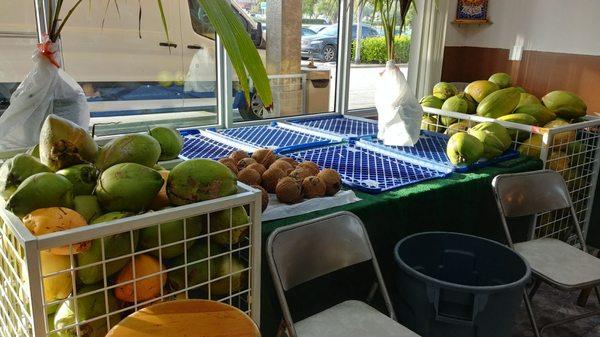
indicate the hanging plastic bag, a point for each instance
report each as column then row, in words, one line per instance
column 399, row 113
column 47, row 89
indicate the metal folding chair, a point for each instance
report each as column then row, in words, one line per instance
column 552, row 259
column 303, row 252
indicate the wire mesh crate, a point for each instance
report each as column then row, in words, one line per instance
column 83, row 281
column 572, row 150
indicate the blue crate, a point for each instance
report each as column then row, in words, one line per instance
column 369, row 170
column 431, row 148
column 347, row 127
column 197, row 145
column 279, row 139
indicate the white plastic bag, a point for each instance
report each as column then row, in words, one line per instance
column 47, row 89
column 399, row 113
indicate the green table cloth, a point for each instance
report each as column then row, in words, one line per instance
column 460, row 203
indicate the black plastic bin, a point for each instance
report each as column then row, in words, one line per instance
column 457, row 285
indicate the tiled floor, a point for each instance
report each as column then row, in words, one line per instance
column 550, row 304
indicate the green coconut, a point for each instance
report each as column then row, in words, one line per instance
column 170, row 140
column 492, row 145
column 464, row 149
column 199, row 180
column 134, row 148
column 87, row 206
column 431, row 102
column 171, row 232
column 503, row 80
column 41, row 190
column 64, row 143
column 443, row 90
column 454, row 104
column 82, row 176
column 128, row 187
column 15, row 170
column 34, row 151
column 236, row 219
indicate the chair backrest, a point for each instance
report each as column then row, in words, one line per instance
column 303, row 252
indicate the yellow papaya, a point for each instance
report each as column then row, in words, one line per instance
column 561, row 139
column 532, row 147
column 521, row 119
column 527, row 99
column 538, row 111
column 565, row 104
column 499, row 103
column 480, row 89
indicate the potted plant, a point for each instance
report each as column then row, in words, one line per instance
column 47, row 89
column 399, row 113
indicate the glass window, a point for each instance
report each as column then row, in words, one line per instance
column 18, row 37
column 364, row 70
column 135, row 78
column 299, row 50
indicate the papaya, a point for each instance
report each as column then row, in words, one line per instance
column 443, row 90
column 499, row 103
column 87, row 206
column 82, row 176
column 430, row 123
column 577, row 153
column 481, row 89
column 34, row 151
column 500, row 131
column 527, row 99
column 145, row 288
column 233, row 219
column 88, row 307
column 542, row 114
column 41, row 190
column 472, row 104
column 128, row 187
column 64, row 143
column 521, row 90
column 532, row 147
column 133, row 148
column 454, row 104
column 561, row 139
column 492, row 145
column 461, row 126
column 565, row 104
column 558, row 161
column 58, row 286
column 55, row 219
column 464, row 149
column 574, row 181
column 431, row 102
column 503, row 80
column 520, row 118
column 15, row 170
column 199, row 180
column 172, row 232
column 170, row 140
column 114, row 246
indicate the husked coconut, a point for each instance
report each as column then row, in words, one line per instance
column 265, row 196
column 230, row 163
column 310, row 166
column 283, row 165
column 289, row 161
column 270, row 179
column 238, row 155
column 257, row 167
column 332, row 180
column 249, row 176
column 288, row 190
column 265, row 157
column 313, row 187
column 299, row 174
column 242, row 164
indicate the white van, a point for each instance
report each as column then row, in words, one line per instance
column 104, row 50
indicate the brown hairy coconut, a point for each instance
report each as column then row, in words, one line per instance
column 265, row 196
column 332, row 180
column 289, row 161
column 230, row 163
column 270, row 179
column 283, row 165
column 238, row 155
column 265, row 157
column 310, row 166
column 288, row 190
column 257, row 167
column 313, row 187
column 249, row 177
column 242, row 164
column 299, row 174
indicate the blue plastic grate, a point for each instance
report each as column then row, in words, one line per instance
column 351, row 128
column 199, row 146
column 368, row 170
column 276, row 138
column 432, row 148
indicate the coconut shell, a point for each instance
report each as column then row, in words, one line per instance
column 283, row 165
column 249, row 177
column 257, row 167
column 288, row 191
column 310, row 166
column 332, row 180
column 299, row 174
column 270, row 179
column 239, row 155
column 265, row 196
column 161, row 200
column 265, row 157
column 230, row 163
column 242, row 164
column 289, row 161
column 313, row 187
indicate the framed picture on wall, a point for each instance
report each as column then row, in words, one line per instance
column 472, row 12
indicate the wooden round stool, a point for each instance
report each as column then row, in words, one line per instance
column 187, row 318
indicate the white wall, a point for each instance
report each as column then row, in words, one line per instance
column 571, row 26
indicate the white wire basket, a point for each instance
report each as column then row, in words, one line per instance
column 572, row 150
column 221, row 264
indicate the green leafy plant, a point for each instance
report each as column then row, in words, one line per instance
column 392, row 14
column 240, row 48
column 374, row 50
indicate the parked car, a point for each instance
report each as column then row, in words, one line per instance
column 323, row 46
column 307, row 32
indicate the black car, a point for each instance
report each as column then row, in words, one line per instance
column 324, row 45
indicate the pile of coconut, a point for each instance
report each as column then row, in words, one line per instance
column 290, row 180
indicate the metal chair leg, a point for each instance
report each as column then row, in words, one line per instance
column 282, row 331
column 534, row 327
column 585, row 293
column 536, row 285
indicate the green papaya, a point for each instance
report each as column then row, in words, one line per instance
column 499, row 103
column 577, row 152
column 430, row 123
column 170, row 140
column 128, row 187
column 15, row 170
column 503, row 80
column 34, row 151
column 443, row 90
column 520, row 118
column 461, row 126
column 431, row 102
column 527, row 99
column 114, row 246
column 492, row 145
column 472, row 104
column 64, row 143
column 542, row 114
column 133, row 148
column 172, row 232
column 464, row 149
column 500, row 131
column 82, row 176
column 531, row 147
column 454, row 104
column 521, row 90
column 565, row 104
column 199, row 180
column 87, row 206
column 41, row 190
column 481, row 89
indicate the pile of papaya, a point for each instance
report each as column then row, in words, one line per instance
column 68, row 181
